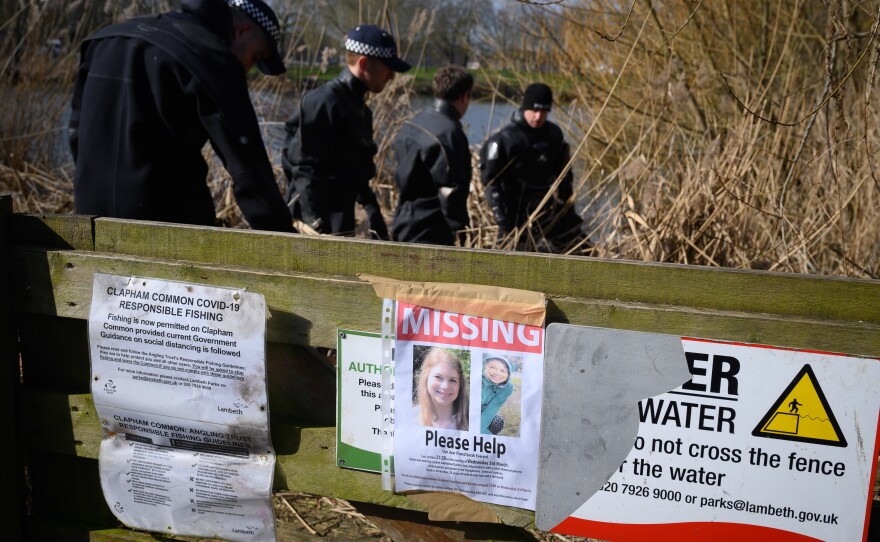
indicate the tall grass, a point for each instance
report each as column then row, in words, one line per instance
column 735, row 134
column 732, row 134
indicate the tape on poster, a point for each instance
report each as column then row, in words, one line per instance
column 506, row 304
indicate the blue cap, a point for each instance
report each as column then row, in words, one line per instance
column 370, row 40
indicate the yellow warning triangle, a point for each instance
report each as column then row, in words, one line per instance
column 802, row 414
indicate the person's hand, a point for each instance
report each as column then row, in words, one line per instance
column 378, row 228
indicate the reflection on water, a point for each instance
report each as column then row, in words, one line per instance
column 482, row 117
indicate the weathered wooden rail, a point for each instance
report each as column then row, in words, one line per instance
column 311, row 289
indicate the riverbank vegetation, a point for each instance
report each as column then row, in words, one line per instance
column 487, row 83
column 734, row 134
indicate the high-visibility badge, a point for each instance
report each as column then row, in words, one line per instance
column 802, row 414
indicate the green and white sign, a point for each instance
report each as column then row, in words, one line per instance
column 360, row 426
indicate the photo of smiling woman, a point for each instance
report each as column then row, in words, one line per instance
column 441, row 383
column 501, row 395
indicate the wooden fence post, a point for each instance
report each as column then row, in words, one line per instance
column 12, row 471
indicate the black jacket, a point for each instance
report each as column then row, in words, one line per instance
column 433, row 177
column 149, row 93
column 518, row 164
column 328, row 157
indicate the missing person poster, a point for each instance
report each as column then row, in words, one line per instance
column 179, row 383
column 468, row 405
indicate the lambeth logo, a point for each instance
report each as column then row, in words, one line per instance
column 109, row 387
column 802, row 414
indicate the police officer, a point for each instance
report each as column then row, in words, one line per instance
column 518, row 166
column 151, row 91
column 329, row 148
column 433, row 172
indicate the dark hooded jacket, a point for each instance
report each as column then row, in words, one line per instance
column 328, row 158
column 149, row 93
column 433, row 177
column 518, row 165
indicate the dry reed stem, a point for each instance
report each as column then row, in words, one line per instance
column 668, row 165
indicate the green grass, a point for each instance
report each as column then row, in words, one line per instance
column 422, row 75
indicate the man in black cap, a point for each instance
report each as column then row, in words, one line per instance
column 519, row 164
column 433, row 172
column 329, row 148
column 151, row 91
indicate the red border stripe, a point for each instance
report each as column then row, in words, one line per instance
column 675, row 532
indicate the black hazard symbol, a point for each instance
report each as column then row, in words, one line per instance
column 802, row 414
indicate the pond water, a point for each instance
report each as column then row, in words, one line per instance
column 482, row 117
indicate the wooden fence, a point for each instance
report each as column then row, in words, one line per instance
column 50, row 465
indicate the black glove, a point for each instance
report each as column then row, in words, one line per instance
column 504, row 225
column 377, row 222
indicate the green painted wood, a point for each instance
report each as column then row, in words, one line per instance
column 302, row 387
column 61, row 283
column 853, row 338
column 312, row 469
column 411, row 526
column 73, row 232
column 51, row 530
column 67, row 487
column 123, row 535
column 60, row 423
column 306, row 457
column 12, row 470
column 308, row 309
column 46, row 365
column 665, row 284
column 54, row 529
column 284, row 532
column 311, row 290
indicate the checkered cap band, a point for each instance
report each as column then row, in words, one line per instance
column 369, row 50
column 262, row 19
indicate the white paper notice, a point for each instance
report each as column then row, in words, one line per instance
column 179, row 383
column 359, row 421
column 471, row 416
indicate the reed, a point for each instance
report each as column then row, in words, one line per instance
column 734, row 134
column 731, row 134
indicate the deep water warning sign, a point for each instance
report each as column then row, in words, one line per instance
column 752, row 443
column 809, row 419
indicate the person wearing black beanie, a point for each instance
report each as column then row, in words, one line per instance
column 538, row 97
column 518, row 166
